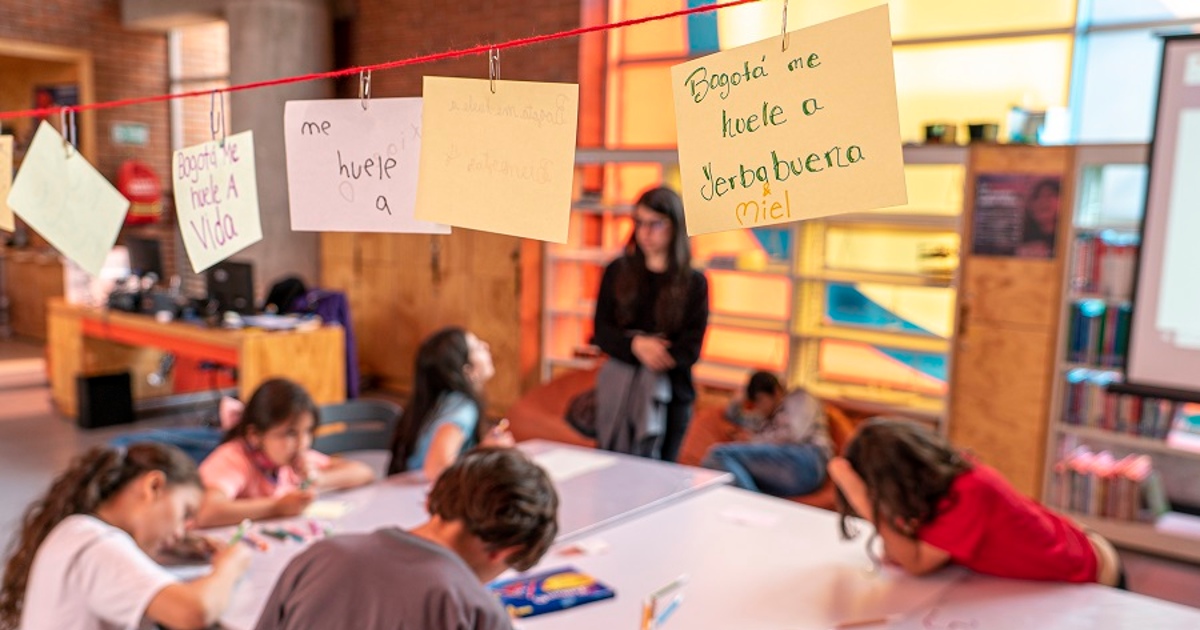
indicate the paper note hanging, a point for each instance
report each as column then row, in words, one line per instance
column 354, row 169
column 769, row 136
column 61, row 196
column 499, row 162
column 216, row 198
column 6, row 215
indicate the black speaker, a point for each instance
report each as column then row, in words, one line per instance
column 104, row 400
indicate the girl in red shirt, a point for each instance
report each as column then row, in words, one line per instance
column 931, row 505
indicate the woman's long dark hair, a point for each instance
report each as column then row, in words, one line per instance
column 439, row 370
column 275, row 402
column 672, row 299
column 907, row 471
column 1031, row 229
column 93, row 478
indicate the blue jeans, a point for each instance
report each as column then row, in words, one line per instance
column 781, row 470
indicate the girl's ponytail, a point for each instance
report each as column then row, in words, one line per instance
column 93, row 478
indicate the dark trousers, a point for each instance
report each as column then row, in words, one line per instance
column 679, row 416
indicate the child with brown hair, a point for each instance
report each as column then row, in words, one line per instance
column 492, row 509
column 83, row 557
column 266, row 465
column 931, row 506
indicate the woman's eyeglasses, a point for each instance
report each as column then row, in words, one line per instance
column 653, row 225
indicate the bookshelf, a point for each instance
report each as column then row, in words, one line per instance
column 858, row 308
column 1098, row 284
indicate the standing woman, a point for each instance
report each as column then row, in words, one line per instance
column 651, row 313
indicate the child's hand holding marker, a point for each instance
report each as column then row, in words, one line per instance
column 499, row 435
column 243, row 535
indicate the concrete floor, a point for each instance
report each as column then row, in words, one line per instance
column 36, row 443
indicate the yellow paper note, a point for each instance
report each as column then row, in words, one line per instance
column 216, row 198
column 61, row 196
column 499, row 162
column 6, row 214
column 770, row 136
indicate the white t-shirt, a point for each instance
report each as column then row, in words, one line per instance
column 89, row 575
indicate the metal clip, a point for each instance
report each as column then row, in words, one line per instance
column 66, row 119
column 493, row 68
column 783, row 29
column 215, row 123
column 364, row 88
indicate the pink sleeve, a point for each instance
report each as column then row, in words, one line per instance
column 227, row 470
column 958, row 528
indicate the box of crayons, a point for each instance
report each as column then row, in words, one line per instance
column 549, row 591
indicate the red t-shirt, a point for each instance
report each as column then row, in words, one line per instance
column 988, row 527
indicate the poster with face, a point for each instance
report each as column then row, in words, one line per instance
column 1016, row 215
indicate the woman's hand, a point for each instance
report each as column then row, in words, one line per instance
column 652, row 352
column 852, row 486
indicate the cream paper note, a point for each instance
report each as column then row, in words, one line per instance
column 770, row 136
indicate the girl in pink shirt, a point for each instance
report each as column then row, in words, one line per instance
column 266, row 467
column 932, row 506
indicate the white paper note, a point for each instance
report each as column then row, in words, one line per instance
column 216, row 199
column 61, row 196
column 354, row 169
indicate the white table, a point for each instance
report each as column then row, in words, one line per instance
column 598, row 488
column 757, row 563
column 595, row 489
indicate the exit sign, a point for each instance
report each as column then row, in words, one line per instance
column 137, row 134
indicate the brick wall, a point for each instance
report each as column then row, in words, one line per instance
column 383, row 30
column 125, row 64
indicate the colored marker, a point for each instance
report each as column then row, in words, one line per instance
column 276, row 533
column 241, row 532
column 255, row 542
column 648, row 614
column 666, row 612
column 672, row 585
column 866, row 623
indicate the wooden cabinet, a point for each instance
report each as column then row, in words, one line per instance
column 31, row 278
column 402, row 287
column 1008, row 313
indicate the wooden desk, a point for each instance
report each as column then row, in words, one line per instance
column 84, row 340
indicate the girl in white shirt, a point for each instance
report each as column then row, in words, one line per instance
column 83, row 555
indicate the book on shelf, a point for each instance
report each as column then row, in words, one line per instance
column 1087, row 402
column 1098, row 333
column 1104, row 263
column 1100, row 485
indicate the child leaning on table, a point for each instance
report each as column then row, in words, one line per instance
column 266, row 467
column 83, row 556
column 931, row 506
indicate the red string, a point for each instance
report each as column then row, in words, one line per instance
column 387, row 65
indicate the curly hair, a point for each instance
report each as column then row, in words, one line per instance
column 92, row 479
column 907, row 470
